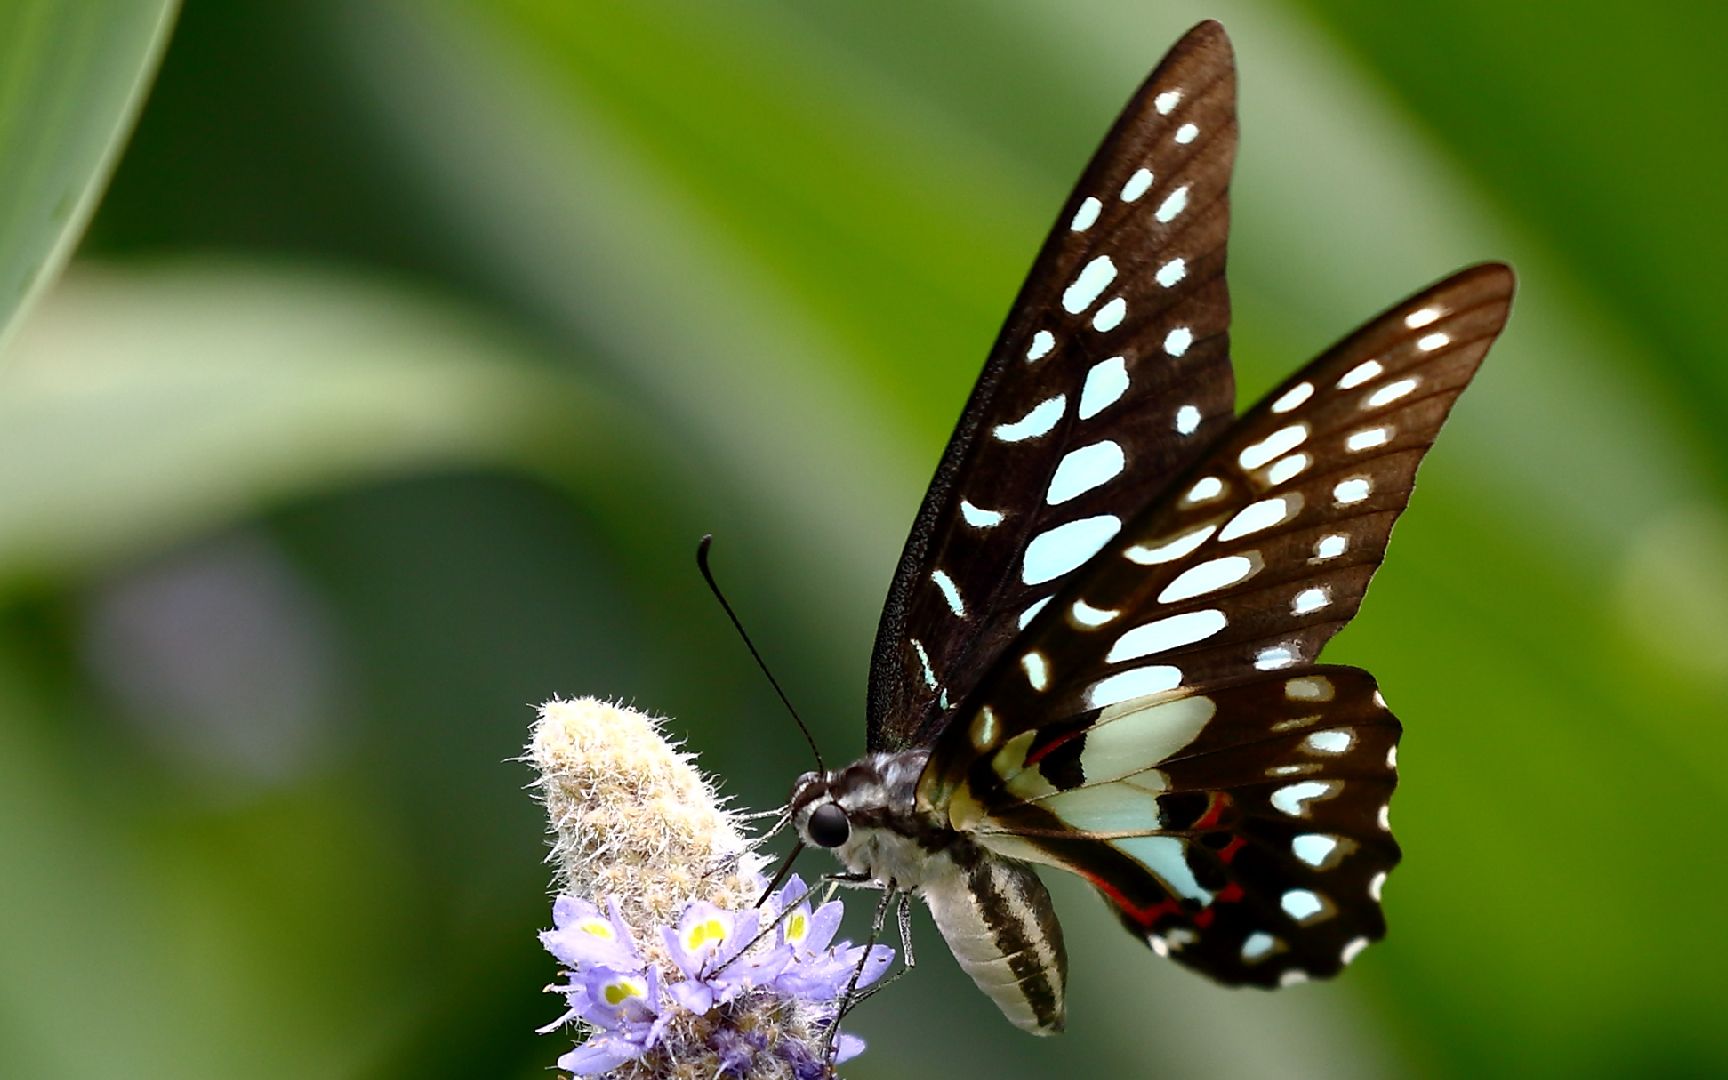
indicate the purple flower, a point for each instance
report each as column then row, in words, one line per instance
column 583, row 935
column 734, row 995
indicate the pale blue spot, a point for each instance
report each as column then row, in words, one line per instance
column 1105, row 383
column 1301, row 904
column 1165, row 857
column 1257, row 946
column 1313, row 848
column 1088, row 284
column 1291, row 797
column 1039, row 421
column 1066, row 547
column 978, row 518
column 1128, row 685
column 1081, row 470
column 1162, row 635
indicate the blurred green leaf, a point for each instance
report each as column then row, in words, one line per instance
column 144, row 406
column 73, row 74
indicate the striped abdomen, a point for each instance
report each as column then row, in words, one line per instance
column 997, row 920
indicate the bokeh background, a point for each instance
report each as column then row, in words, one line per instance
column 414, row 342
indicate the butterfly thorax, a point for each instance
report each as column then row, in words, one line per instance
column 887, row 838
column 993, row 912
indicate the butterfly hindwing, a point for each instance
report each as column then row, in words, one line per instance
column 1109, row 375
column 1241, row 830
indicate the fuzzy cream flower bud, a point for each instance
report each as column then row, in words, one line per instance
column 632, row 818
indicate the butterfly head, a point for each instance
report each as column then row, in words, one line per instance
column 817, row 813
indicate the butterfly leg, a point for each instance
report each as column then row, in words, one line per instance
column 849, row 1000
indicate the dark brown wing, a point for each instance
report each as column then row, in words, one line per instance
column 1110, row 374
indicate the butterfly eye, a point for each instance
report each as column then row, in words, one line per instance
column 828, row 826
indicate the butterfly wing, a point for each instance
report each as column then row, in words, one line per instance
column 1109, row 375
column 1241, row 830
column 1222, row 592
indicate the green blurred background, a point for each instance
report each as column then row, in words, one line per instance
column 415, row 342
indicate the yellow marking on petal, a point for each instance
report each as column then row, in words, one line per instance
column 704, row 932
column 619, row 991
column 599, row 928
column 797, row 928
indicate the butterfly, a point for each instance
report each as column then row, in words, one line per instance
column 1098, row 651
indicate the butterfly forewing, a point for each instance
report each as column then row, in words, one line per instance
column 1109, row 375
column 1241, row 830
column 1258, row 554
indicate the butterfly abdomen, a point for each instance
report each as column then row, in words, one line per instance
column 998, row 921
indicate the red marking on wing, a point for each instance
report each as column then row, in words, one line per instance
column 1218, row 801
column 1042, row 752
column 1146, row 916
column 1228, row 851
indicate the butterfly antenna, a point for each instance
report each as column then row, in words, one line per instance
column 708, row 576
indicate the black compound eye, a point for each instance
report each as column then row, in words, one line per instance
column 828, row 826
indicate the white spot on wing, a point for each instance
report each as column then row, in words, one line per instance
column 924, row 658
column 1261, row 515
column 1311, row 600
column 1042, row 342
column 980, row 519
column 1205, row 489
column 1037, row 671
column 1292, row 977
column 1171, row 272
column 1166, row 857
column 1105, row 384
column 1330, row 547
column 1335, row 741
column 1389, row 393
column 1293, row 397
column 1043, row 417
column 1209, row 576
column 1162, row 635
column 1086, row 286
column 1110, row 316
column 1313, row 848
column 1066, row 547
column 1360, row 374
column 1087, row 615
column 1087, row 215
column 1392, row 757
column 1081, row 470
column 1277, row 444
column 1258, row 946
column 1134, row 683
column 1301, row 904
column 950, row 591
column 1309, row 688
column 1137, row 185
column 1271, row 659
column 1421, row 317
column 1367, row 439
column 1173, row 204
column 1385, row 818
column 1032, row 611
column 1176, row 342
column 1351, row 491
column 1353, row 949
column 1186, row 133
column 1291, row 798
column 1430, row 342
column 1376, row 885
column 1173, row 548
column 1167, row 101
column 1287, row 468
column 1187, row 420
